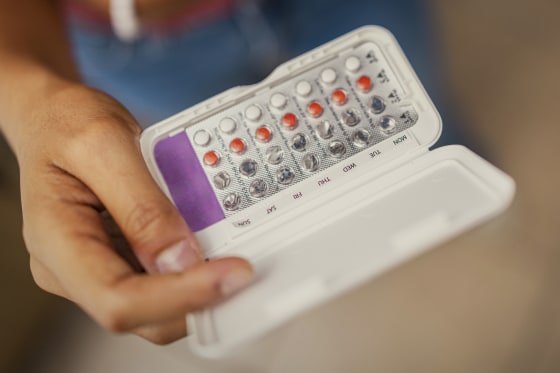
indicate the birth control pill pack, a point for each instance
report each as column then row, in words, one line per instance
column 321, row 176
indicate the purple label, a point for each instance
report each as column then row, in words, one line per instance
column 187, row 182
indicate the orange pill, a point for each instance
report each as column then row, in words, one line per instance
column 237, row 146
column 315, row 109
column 289, row 121
column 211, row 158
column 339, row 97
column 364, row 83
column 263, row 134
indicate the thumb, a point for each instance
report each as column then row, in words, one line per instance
column 157, row 233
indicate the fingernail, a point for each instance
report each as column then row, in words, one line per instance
column 177, row 258
column 235, row 280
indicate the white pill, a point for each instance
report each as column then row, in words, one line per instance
column 352, row 63
column 328, row 75
column 202, row 138
column 303, row 88
column 227, row 125
column 278, row 100
column 253, row 113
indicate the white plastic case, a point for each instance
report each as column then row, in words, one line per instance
column 349, row 221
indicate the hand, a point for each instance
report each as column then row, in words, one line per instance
column 78, row 154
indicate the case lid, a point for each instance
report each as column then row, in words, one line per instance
column 385, row 221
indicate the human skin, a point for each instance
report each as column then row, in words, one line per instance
column 79, row 159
